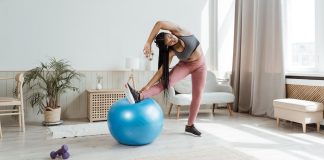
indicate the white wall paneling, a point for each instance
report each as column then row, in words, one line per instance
column 74, row 104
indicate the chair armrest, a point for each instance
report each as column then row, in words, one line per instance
column 171, row 92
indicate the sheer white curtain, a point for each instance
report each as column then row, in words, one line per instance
column 258, row 73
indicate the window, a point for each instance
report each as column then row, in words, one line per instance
column 219, row 32
column 303, row 48
column 225, row 36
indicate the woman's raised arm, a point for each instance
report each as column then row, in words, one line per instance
column 164, row 25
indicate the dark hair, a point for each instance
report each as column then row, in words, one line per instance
column 163, row 59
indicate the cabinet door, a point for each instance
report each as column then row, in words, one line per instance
column 100, row 103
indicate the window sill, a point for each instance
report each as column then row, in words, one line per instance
column 310, row 74
column 306, row 76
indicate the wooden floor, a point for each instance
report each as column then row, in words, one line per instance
column 240, row 137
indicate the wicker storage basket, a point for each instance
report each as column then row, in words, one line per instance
column 100, row 101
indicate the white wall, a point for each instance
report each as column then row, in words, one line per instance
column 91, row 34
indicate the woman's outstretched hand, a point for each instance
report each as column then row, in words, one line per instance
column 147, row 49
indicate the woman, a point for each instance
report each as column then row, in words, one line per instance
column 181, row 43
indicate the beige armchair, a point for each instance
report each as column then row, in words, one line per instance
column 14, row 101
column 214, row 93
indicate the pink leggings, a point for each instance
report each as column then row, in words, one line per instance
column 198, row 71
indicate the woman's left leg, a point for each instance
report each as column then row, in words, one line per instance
column 198, row 84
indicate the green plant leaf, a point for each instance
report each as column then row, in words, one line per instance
column 48, row 81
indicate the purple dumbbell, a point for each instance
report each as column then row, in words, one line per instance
column 63, row 151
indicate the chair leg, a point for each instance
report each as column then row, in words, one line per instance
column 214, row 106
column 178, row 111
column 22, row 117
column 278, row 121
column 318, row 125
column 229, row 107
column 19, row 117
column 304, row 127
column 0, row 131
column 170, row 108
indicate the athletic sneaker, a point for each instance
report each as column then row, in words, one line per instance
column 192, row 130
column 131, row 94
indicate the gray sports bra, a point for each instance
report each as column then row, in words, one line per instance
column 191, row 43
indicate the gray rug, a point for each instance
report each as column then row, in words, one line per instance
column 78, row 130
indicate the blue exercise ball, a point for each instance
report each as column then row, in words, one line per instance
column 135, row 124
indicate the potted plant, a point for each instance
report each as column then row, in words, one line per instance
column 47, row 83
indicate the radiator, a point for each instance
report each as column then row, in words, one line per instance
column 305, row 89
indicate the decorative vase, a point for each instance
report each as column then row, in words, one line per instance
column 148, row 65
column 99, row 86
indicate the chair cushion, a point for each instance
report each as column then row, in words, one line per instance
column 298, row 105
column 181, row 99
column 207, row 98
column 213, row 92
column 183, row 86
column 217, row 97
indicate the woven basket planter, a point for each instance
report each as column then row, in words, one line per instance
column 52, row 115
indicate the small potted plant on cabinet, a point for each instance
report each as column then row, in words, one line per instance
column 47, row 83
